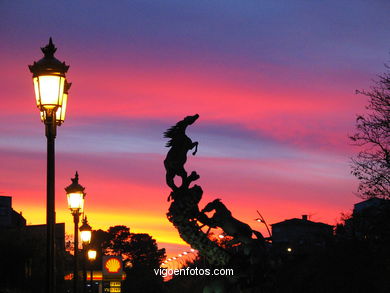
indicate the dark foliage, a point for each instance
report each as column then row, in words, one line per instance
column 140, row 254
column 372, row 164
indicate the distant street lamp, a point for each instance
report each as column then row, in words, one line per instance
column 75, row 194
column 49, row 81
column 85, row 232
column 85, row 235
column 91, row 257
column 262, row 220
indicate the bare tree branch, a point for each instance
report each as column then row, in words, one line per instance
column 372, row 164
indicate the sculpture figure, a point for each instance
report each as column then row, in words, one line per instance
column 180, row 144
column 247, row 257
column 223, row 218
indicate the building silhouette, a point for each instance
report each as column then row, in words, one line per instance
column 300, row 235
column 9, row 218
column 22, row 251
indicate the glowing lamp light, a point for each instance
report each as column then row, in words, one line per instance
column 61, row 111
column 91, row 254
column 49, row 80
column 75, row 194
column 75, row 201
column 49, row 91
column 85, row 232
column 289, row 249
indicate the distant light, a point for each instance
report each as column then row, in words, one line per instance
column 91, row 254
column 75, row 193
column 289, row 249
column 85, row 232
column 221, row 236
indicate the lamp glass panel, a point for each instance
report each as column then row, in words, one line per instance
column 92, row 254
column 60, row 115
column 43, row 116
column 76, row 201
column 36, row 89
column 85, row 236
column 49, row 90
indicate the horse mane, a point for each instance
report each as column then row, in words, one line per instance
column 172, row 132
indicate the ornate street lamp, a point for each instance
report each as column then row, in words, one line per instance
column 85, row 235
column 75, row 194
column 49, row 81
column 91, row 256
column 85, row 232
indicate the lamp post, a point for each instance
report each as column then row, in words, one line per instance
column 49, row 81
column 85, row 234
column 75, row 194
column 91, row 257
column 262, row 220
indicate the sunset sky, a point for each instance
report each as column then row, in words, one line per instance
column 273, row 82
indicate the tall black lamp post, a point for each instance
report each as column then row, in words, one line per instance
column 75, row 194
column 85, row 235
column 50, row 85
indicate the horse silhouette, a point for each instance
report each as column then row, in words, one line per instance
column 180, row 144
column 223, row 218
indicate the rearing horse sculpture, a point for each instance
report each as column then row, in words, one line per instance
column 247, row 257
column 223, row 218
column 180, row 144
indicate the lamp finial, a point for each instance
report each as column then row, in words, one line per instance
column 49, row 49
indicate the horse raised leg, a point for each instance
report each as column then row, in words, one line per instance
column 195, row 144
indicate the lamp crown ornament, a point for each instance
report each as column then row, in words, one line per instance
column 85, row 226
column 49, row 64
column 49, row 49
column 75, row 186
column 76, row 178
column 67, row 86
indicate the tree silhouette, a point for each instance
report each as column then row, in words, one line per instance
column 143, row 251
column 140, row 254
column 118, row 241
column 372, row 164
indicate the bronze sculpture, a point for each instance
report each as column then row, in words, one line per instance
column 248, row 256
